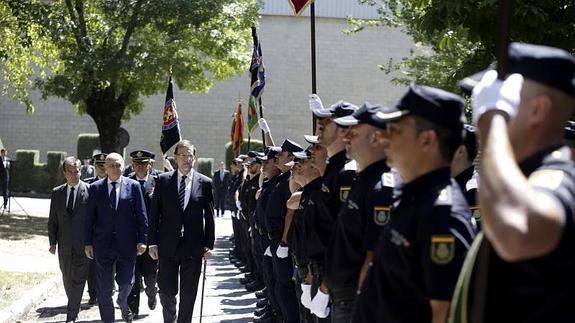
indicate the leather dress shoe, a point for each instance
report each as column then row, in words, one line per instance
column 245, row 281
column 262, row 303
column 93, row 301
column 255, row 285
column 244, row 269
column 268, row 316
column 261, row 311
column 127, row 315
column 152, row 302
column 262, row 293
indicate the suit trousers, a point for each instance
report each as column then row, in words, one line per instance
column 92, row 279
column 124, row 278
column 284, row 285
column 74, row 268
column 4, row 189
column 146, row 268
column 189, row 275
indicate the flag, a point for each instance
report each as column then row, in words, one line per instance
column 170, row 125
column 257, row 68
column 298, row 6
column 253, row 116
column 237, row 133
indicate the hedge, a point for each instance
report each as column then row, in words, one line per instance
column 87, row 144
column 204, row 166
column 28, row 175
column 254, row 145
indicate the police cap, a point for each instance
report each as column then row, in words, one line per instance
column 271, row 152
column 142, row 156
column 550, row 66
column 336, row 110
column 100, row 158
column 290, row 146
column 438, row 106
column 311, row 139
column 365, row 114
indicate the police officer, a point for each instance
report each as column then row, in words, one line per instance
column 146, row 267
column 364, row 213
column 422, row 247
column 463, row 170
column 527, row 190
column 99, row 160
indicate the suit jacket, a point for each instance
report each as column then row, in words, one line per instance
column 221, row 185
column 67, row 230
column 167, row 216
column 119, row 229
column 5, row 170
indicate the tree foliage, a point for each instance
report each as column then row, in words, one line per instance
column 456, row 38
column 103, row 55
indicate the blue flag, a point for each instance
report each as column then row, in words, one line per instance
column 257, row 68
column 170, row 125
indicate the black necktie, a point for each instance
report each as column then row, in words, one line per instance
column 70, row 205
column 113, row 195
column 142, row 185
column 182, row 192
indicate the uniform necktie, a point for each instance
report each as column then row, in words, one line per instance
column 142, row 185
column 113, row 195
column 70, row 205
column 182, row 192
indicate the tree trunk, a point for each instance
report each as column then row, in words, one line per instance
column 107, row 109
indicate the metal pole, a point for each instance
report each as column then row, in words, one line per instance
column 261, row 116
column 313, row 66
column 203, row 288
column 503, row 41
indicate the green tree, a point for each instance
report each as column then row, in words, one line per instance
column 103, row 55
column 456, row 38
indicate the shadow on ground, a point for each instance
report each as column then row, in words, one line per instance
column 18, row 227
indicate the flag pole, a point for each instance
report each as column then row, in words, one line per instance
column 313, row 65
column 261, row 116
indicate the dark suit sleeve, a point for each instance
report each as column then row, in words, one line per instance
column 141, row 216
column 154, row 216
column 209, row 227
column 53, row 221
column 90, row 216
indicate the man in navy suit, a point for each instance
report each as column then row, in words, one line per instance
column 116, row 229
column 181, row 232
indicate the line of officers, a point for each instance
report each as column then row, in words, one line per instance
column 378, row 218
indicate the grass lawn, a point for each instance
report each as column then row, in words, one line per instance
column 14, row 285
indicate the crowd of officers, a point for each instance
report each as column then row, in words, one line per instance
column 389, row 215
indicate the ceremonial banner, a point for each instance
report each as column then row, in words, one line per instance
column 298, row 6
column 170, row 125
column 237, row 132
column 253, row 116
column 257, row 69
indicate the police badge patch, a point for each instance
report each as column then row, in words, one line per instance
column 381, row 215
column 442, row 248
column 344, row 192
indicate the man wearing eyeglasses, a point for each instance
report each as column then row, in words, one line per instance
column 181, row 232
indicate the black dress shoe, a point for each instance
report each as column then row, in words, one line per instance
column 152, row 302
column 268, row 316
column 262, row 303
column 127, row 315
column 245, row 281
column 244, row 269
column 262, row 293
column 93, row 301
column 261, row 311
column 255, row 285
column 250, row 276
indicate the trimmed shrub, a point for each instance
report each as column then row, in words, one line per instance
column 28, row 175
column 254, row 145
column 205, row 166
column 87, row 143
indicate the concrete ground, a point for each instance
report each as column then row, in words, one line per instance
column 225, row 299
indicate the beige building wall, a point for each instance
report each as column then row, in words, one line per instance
column 347, row 68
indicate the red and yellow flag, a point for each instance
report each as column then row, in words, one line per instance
column 237, row 132
column 298, row 6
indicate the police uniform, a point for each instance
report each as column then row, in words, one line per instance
column 99, row 159
column 146, row 267
column 422, row 247
column 539, row 289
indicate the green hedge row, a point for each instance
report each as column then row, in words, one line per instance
column 205, row 166
column 28, row 175
column 254, row 145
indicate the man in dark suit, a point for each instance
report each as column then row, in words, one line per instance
column 66, row 230
column 116, row 229
column 146, row 267
column 221, row 179
column 181, row 232
column 99, row 173
column 4, row 175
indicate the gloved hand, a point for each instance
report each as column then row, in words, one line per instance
column 494, row 94
column 315, row 102
column 306, row 295
column 264, row 125
column 268, row 252
column 319, row 305
column 282, row 252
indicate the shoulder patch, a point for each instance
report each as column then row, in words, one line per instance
column 442, row 248
column 344, row 192
column 388, row 179
column 547, row 178
column 350, row 165
column 444, row 197
column 381, row 215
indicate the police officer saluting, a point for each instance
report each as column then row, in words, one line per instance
column 364, row 213
column 527, row 189
column 422, row 247
column 146, row 267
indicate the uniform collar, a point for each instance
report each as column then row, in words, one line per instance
column 427, row 181
column 531, row 163
column 338, row 157
column 374, row 169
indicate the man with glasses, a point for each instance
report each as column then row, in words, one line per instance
column 66, row 231
column 181, row 232
column 421, row 249
column 116, row 231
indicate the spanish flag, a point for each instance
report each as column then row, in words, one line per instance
column 298, row 6
column 237, row 132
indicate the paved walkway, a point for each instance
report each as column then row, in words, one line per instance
column 225, row 298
